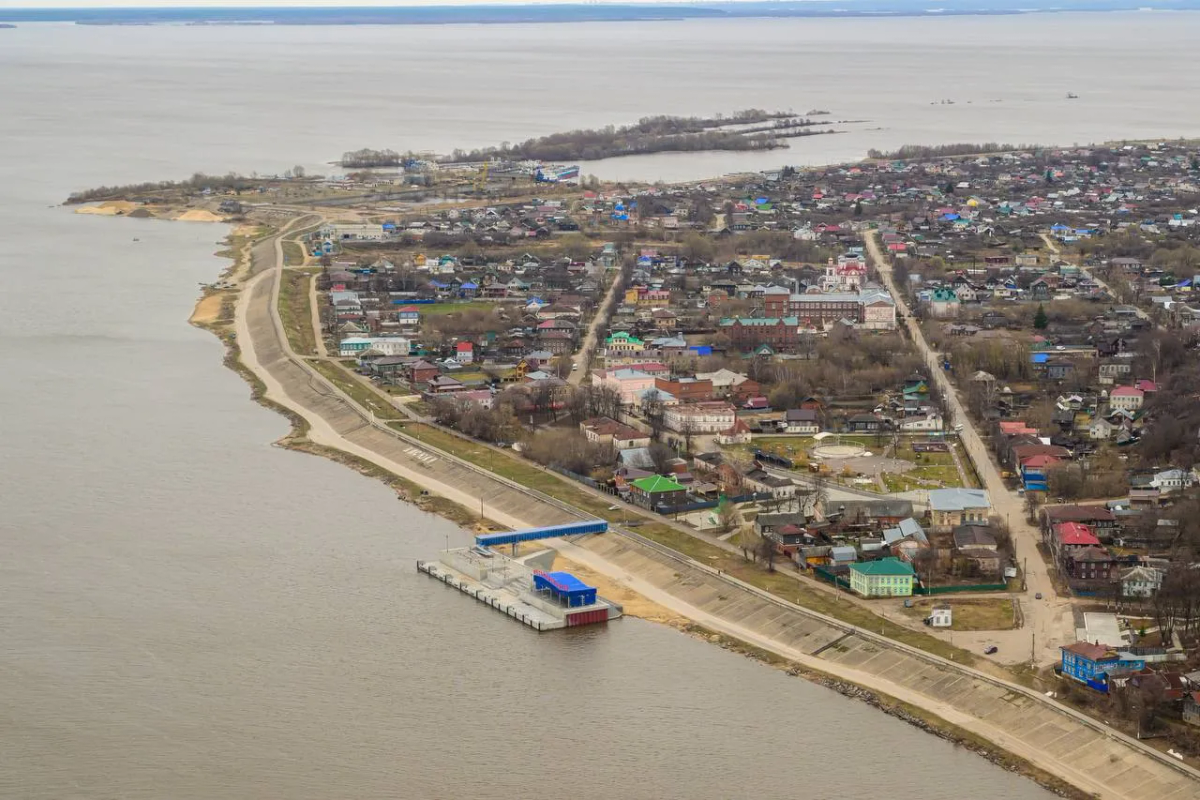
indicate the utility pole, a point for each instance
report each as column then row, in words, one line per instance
column 1025, row 574
column 1032, row 648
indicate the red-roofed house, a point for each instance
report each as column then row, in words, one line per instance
column 1128, row 398
column 464, row 352
column 408, row 315
column 1017, row 428
column 1146, row 387
column 738, row 434
column 1071, row 535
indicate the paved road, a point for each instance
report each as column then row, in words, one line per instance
column 1050, row 619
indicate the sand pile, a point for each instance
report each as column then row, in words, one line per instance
column 199, row 215
column 109, row 208
column 208, row 310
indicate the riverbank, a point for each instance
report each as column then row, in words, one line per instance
column 1041, row 735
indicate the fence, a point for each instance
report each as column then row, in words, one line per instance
column 698, row 505
column 575, row 476
column 973, row 587
column 829, row 576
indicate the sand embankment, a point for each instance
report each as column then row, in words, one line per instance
column 199, row 215
column 208, row 310
column 109, row 208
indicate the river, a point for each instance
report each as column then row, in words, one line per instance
column 188, row 612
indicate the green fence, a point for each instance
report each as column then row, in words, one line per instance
column 974, row 587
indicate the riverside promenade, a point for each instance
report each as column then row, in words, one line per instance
column 1050, row 736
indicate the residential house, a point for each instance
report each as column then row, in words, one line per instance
column 408, row 316
column 1067, row 536
column 1099, row 520
column 1086, row 663
column 762, row 482
column 603, row 430
column 624, row 342
column 726, row 383
column 865, row 423
column 944, row 302
column 949, row 508
column 1140, row 581
column 686, row 390
column 738, row 433
column 927, row 422
column 1126, row 398
column 1191, row 708
column 1088, row 565
column 629, row 384
column 875, row 512
column 709, row 417
column 804, row 421
column 887, row 577
column 657, row 492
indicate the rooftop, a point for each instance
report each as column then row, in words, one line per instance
column 958, row 499
column 884, row 566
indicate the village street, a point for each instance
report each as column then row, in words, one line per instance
column 1050, row 620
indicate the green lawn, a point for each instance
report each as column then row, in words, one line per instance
column 295, row 312
column 440, row 309
column 293, row 253
column 361, row 394
column 977, row 614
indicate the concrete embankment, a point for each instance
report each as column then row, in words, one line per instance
column 1030, row 727
column 1019, row 721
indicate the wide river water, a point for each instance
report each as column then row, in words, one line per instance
column 188, row 612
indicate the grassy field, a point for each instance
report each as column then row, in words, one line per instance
column 361, row 394
column 296, row 312
column 779, row 583
column 440, row 309
column 974, row 614
column 293, row 253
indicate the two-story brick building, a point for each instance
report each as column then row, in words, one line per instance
column 747, row 333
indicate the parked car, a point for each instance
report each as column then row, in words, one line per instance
column 991, row 650
column 1037, row 596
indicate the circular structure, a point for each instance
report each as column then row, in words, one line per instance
column 838, row 451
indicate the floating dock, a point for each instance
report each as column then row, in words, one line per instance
column 545, row 601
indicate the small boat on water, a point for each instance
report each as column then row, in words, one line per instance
column 1072, row 96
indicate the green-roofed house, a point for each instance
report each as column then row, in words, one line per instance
column 887, row 577
column 624, row 342
column 656, row 491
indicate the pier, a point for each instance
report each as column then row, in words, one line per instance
column 545, row 601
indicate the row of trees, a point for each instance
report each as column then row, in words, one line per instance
column 229, row 182
column 648, row 135
column 367, row 158
column 915, row 151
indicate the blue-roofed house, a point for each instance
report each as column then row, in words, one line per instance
column 949, row 508
column 907, row 529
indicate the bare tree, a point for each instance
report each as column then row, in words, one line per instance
column 654, row 409
column 728, row 517
column 688, row 429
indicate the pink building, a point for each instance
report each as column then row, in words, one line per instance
column 629, row 384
